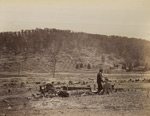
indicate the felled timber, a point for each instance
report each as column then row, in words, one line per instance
column 77, row 92
column 75, row 88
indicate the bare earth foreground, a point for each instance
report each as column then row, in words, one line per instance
column 17, row 100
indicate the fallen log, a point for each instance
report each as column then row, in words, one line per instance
column 77, row 92
column 63, row 94
column 75, row 88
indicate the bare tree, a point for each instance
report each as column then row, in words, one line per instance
column 53, row 54
column 21, row 61
column 103, row 58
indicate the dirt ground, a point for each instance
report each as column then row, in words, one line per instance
column 17, row 99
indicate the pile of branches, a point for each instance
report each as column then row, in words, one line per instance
column 48, row 90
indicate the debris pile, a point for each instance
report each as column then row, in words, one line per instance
column 58, row 89
column 49, row 90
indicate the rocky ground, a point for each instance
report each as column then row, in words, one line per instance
column 18, row 100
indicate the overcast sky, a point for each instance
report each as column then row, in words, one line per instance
column 129, row 18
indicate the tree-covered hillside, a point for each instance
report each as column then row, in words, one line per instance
column 40, row 48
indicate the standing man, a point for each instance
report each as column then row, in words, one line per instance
column 99, row 80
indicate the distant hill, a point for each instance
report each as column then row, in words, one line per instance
column 37, row 49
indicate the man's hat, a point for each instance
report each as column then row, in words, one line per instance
column 100, row 70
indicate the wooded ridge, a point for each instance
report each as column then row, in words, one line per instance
column 41, row 48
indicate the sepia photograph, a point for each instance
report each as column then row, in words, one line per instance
column 74, row 58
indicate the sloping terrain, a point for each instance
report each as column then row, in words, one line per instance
column 40, row 49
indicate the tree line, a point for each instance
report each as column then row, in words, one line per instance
column 135, row 52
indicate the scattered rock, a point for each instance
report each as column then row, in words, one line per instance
column 22, row 84
column 58, row 83
column 9, row 90
column 70, row 83
column 9, row 108
column 37, row 82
